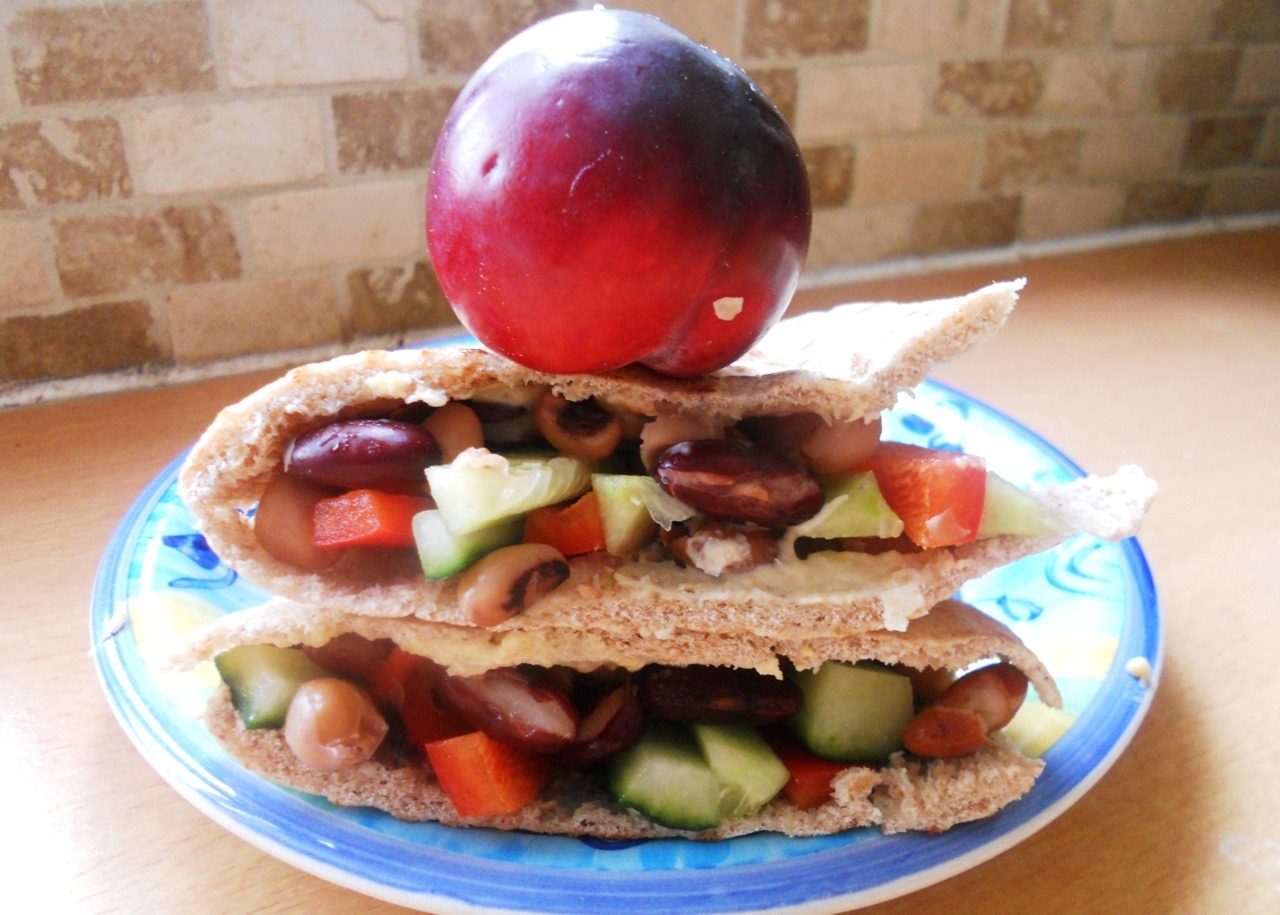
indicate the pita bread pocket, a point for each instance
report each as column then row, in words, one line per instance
column 897, row 791
column 823, row 374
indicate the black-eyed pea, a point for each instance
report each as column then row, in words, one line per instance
column 332, row 724
column 579, row 428
column 509, row 580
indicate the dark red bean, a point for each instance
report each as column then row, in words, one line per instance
column 614, row 722
column 381, row 454
column 718, row 695
column 508, row 706
column 738, row 481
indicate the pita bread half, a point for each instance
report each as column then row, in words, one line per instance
column 906, row 794
column 856, row 360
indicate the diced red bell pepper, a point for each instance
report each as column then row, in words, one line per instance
column 810, row 783
column 406, row 682
column 572, row 529
column 484, row 777
column 937, row 494
column 367, row 517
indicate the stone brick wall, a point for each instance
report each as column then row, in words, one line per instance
column 198, row 184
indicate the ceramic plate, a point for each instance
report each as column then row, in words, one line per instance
column 1087, row 608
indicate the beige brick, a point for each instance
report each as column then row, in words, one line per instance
column 222, row 320
column 305, row 42
column 964, row 225
column 1252, row 191
column 1258, row 82
column 1057, row 23
column 98, row 255
column 855, row 100
column 1004, row 87
column 863, row 235
column 23, row 280
column 62, row 160
column 1268, row 151
column 1133, row 149
column 1151, row 22
column 781, row 85
column 1247, row 20
column 1063, row 211
column 100, row 338
column 713, row 23
column 391, row 299
column 1099, row 84
column 915, row 169
column 1220, row 142
column 1014, row 159
column 1196, row 79
column 805, row 28
column 456, row 36
column 830, row 174
column 107, row 51
column 930, row 26
column 337, row 226
column 234, row 144
column 1171, row 200
column 389, row 131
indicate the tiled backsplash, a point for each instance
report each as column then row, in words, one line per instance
column 189, row 181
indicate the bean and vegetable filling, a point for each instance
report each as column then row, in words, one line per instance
column 503, row 493
column 725, row 741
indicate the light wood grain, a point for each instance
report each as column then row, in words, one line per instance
column 1164, row 354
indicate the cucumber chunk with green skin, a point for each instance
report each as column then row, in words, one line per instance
column 853, row 712
column 632, row 508
column 444, row 553
column 263, row 679
column 471, row 495
column 750, row 773
column 854, row 507
column 1006, row 509
column 665, row 777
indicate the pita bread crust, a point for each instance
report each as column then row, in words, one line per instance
column 857, row 359
column 904, row 795
column 953, row 635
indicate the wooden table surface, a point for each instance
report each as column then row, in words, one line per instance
column 1165, row 354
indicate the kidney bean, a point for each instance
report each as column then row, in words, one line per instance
column 508, row 706
column 994, row 693
column 718, row 547
column 942, row 733
column 614, row 723
column 738, row 481
column 351, row 655
column 381, row 454
column 718, row 695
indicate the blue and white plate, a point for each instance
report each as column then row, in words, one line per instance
column 1087, row 608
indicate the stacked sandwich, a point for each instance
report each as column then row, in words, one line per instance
column 625, row 605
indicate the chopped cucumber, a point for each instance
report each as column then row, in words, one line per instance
column 442, row 552
column 665, row 777
column 853, row 712
column 632, row 508
column 472, row 495
column 750, row 773
column 1036, row 727
column 854, row 507
column 1006, row 509
column 263, row 679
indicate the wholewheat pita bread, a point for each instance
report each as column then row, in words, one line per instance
column 906, row 794
column 847, row 363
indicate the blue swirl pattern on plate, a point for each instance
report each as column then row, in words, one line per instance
column 1085, row 607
